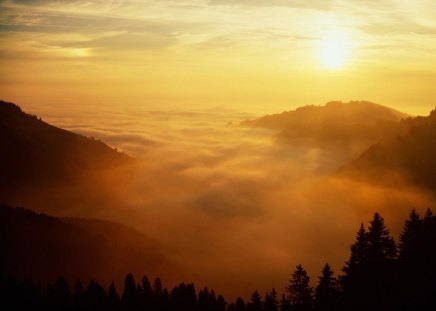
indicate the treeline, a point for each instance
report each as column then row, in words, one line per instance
column 379, row 275
column 30, row 295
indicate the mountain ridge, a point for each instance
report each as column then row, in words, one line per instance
column 39, row 151
column 363, row 112
column 412, row 154
column 44, row 246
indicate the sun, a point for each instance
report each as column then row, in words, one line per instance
column 334, row 51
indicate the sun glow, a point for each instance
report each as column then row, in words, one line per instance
column 334, row 51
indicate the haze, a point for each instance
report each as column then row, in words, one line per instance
column 234, row 206
column 259, row 56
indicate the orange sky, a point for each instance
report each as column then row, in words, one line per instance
column 253, row 55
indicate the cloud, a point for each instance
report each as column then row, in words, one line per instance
column 317, row 4
column 234, row 211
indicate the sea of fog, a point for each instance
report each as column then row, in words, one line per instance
column 234, row 207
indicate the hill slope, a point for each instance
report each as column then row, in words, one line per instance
column 411, row 155
column 337, row 132
column 332, row 113
column 36, row 152
column 56, row 171
column 42, row 246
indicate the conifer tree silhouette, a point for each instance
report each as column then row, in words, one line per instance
column 326, row 293
column 256, row 303
column 410, row 237
column 380, row 244
column 271, row 302
column 299, row 290
column 285, row 304
column 359, row 251
column 113, row 298
column 129, row 298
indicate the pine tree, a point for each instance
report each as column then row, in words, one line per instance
column 369, row 280
column 380, row 244
column 326, row 293
column 203, row 302
column 146, row 293
column 285, row 305
column 359, row 250
column 59, row 295
column 130, row 295
column 410, row 237
column 271, row 302
column 299, row 290
column 157, row 287
column 240, row 304
column 78, row 295
column 255, row 303
column 96, row 297
column 220, row 303
column 113, row 297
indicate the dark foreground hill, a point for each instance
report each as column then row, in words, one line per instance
column 379, row 275
column 36, row 152
column 44, row 247
column 53, row 170
column 412, row 155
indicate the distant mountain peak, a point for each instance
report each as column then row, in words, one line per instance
column 7, row 106
column 338, row 112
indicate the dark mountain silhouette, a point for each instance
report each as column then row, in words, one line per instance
column 53, row 170
column 44, row 247
column 332, row 113
column 411, row 155
column 34, row 151
column 337, row 131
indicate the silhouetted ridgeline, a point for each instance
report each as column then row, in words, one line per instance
column 411, row 155
column 44, row 247
column 379, row 275
column 354, row 112
column 36, row 152
column 340, row 131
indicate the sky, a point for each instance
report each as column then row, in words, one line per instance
column 251, row 55
column 161, row 80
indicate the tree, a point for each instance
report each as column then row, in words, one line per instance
column 157, row 287
column 285, row 305
column 380, row 244
column 78, row 295
column 359, row 250
column 146, row 293
column 271, row 302
column 370, row 280
column 183, row 297
column 129, row 297
column 410, row 237
column 299, row 290
column 255, row 303
column 113, row 297
column 220, row 303
column 59, row 295
column 95, row 297
column 326, row 293
column 240, row 304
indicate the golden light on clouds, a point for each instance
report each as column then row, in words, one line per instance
column 245, row 54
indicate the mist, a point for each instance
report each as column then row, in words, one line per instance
column 234, row 207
